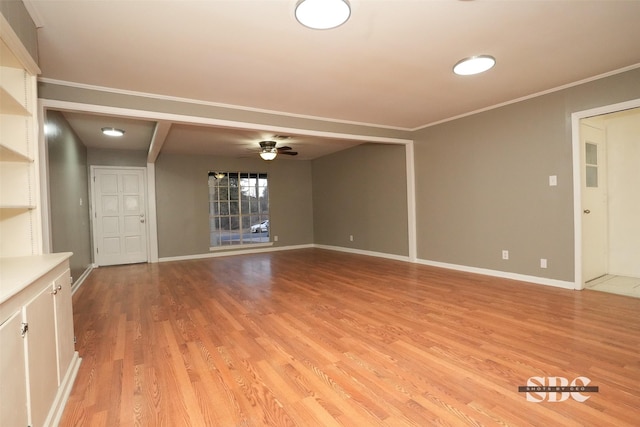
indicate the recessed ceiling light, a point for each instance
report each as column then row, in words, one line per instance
column 112, row 131
column 322, row 14
column 474, row 65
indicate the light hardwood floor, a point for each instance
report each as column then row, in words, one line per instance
column 319, row 338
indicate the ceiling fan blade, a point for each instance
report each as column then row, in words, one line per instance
column 285, row 148
column 289, row 153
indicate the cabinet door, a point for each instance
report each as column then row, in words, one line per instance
column 64, row 324
column 13, row 391
column 42, row 362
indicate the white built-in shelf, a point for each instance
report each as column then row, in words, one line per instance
column 19, row 186
column 17, row 208
column 7, row 154
column 10, row 105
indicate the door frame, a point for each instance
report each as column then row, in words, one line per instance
column 577, row 178
column 92, row 207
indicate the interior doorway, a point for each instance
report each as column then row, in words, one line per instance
column 608, row 256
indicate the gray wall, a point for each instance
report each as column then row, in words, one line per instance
column 17, row 16
column 182, row 198
column 482, row 182
column 68, row 186
column 362, row 192
column 128, row 158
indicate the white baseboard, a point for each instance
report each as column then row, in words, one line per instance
column 64, row 391
column 484, row 271
column 233, row 252
column 76, row 284
column 362, row 252
column 502, row 274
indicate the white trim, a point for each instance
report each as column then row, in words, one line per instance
column 45, row 193
column 211, row 104
column 33, row 11
column 330, row 120
column 411, row 202
column 533, row 95
column 483, row 271
column 234, row 252
column 77, row 283
column 577, row 175
column 502, row 274
column 363, row 252
column 152, row 214
column 244, row 246
column 64, row 391
column 157, row 140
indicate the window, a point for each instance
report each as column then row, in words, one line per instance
column 591, row 160
column 238, row 208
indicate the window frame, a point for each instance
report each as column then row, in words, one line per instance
column 237, row 201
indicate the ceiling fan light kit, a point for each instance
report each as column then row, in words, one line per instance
column 474, row 65
column 269, row 151
column 322, row 14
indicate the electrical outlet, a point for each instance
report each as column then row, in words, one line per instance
column 275, row 238
column 351, row 237
column 543, row 263
column 505, row 254
column 553, row 180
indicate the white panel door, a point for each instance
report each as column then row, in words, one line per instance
column 119, row 215
column 594, row 202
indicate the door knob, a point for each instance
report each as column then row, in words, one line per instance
column 587, row 211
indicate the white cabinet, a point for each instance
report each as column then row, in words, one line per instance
column 65, row 337
column 20, row 224
column 38, row 361
column 13, row 392
column 41, row 354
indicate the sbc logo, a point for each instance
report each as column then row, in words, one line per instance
column 557, row 389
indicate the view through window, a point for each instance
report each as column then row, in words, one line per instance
column 238, row 208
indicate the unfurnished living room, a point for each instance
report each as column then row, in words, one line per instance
column 319, row 212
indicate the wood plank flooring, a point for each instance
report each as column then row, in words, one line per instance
column 319, row 338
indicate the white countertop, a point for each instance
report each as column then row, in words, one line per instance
column 16, row 273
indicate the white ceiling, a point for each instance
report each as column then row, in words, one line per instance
column 389, row 65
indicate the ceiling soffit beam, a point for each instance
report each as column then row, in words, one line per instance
column 157, row 140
